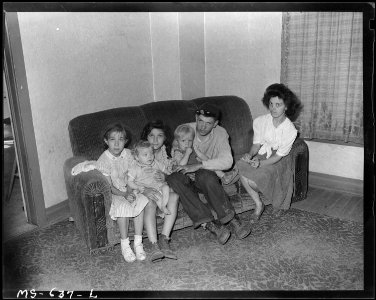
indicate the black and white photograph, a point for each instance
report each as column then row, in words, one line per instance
column 188, row 150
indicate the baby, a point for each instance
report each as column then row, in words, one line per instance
column 141, row 174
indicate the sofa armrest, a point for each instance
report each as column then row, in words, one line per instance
column 300, row 157
column 89, row 197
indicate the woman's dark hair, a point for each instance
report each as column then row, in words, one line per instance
column 158, row 124
column 115, row 127
column 291, row 101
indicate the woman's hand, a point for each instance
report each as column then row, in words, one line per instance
column 255, row 162
column 247, row 158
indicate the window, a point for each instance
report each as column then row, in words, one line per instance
column 322, row 62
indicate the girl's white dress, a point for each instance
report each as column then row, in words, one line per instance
column 117, row 168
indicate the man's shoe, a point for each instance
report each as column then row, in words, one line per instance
column 165, row 247
column 222, row 233
column 156, row 253
column 240, row 230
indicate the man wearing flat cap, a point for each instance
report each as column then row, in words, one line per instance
column 211, row 140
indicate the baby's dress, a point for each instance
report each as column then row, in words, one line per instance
column 117, row 168
column 162, row 158
column 142, row 174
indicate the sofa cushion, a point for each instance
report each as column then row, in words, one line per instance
column 86, row 131
column 178, row 112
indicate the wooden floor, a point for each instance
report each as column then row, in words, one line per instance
column 14, row 217
column 332, row 203
column 322, row 201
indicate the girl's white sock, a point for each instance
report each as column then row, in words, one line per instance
column 124, row 241
column 137, row 239
column 126, row 250
column 138, row 248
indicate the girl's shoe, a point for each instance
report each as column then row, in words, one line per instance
column 127, row 251
column 156, row 253
column 164, row 245
column 256, row 217
column 140, row 253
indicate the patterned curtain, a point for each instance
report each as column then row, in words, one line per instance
column 322, row 62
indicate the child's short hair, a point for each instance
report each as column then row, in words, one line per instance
column 114, row 127
column 141, row 144
column 183, row 130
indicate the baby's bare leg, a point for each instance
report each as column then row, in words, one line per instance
column 165, row 195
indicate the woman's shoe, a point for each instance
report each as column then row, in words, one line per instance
column 231, row 177
column 256, row 217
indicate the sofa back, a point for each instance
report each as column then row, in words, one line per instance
column 86, row 131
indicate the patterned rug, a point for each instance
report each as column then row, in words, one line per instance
column 297, row 251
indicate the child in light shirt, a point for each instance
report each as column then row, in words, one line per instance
column 142, row 174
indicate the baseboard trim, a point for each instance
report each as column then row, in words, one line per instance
column 57, row 212
column 336, row 183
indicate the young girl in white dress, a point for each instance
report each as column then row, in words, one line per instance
column 113, row 164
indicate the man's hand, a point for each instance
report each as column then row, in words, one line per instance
column 189, row 168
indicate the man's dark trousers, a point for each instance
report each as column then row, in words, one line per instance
column 207, row 182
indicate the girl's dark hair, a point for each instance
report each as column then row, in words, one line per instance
column 291, row 101
column 158, row 124
column 115, row 127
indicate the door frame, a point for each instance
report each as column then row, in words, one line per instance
column 21, row 115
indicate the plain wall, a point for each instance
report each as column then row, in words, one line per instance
column 243, row 55
column 77, row 63
column 338, row 160
column 164, row 31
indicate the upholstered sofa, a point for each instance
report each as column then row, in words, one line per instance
column 89, row 192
